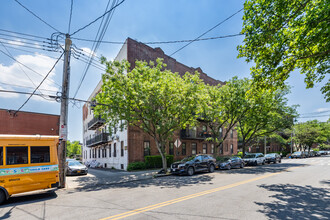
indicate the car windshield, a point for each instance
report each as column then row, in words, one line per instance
column 188, row 158
column 223, row 159
column 74, row 163
column 250, row 156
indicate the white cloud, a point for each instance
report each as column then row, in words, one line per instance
column 13, row 74
column 17, row 42
column 322, row 109
column 88, row 51
column 7, row 95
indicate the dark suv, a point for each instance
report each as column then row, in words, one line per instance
column 273, row 157
column 190, row 165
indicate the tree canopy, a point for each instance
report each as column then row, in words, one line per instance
column 282, row 35
column 73, row 148
column 149, row 97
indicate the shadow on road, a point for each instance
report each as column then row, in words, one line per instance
column 269, row 168
column 94, row 183
column 26, row 199
column 296, row 202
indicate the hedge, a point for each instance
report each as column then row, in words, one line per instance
column 156, row 161
column 136, row 166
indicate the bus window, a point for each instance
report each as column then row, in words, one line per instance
column 1, row 156
column 40, row 154
column 16, row 155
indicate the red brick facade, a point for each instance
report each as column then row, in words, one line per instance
column 136, row 137
column 28, row 123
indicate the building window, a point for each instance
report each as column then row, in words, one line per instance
column 231, row 133
column 146, row 148
column 212, row 148
column 109, row 150
column 204, row 148
column 40, row 154
column 114, row 150
column 221, row 149
column 1, row 156
column 99, row 152
column 204, row 128
column 220, row 132
column 193, row 148
column 231, row 149
column 16, row 155
column 171, row 150
column 122, row 148
column 184, row 149
column 226, row 147
column 90, row 153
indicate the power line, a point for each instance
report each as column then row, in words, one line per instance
column 28, row 51
column 29, row 35
column 26, row 66
column 97, row 18
column 41, row 47
column 39, row 84
column 27, row 87
column 207, row 31
column 315, row 116
column 100, row 34
column 167, row 42
column 315, row 112
column 36, row 16
column 24, row 38
column 20, row 66
column 70, row 16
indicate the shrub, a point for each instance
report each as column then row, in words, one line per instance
column 240, row 154
column 156, row 161
column 136, row 166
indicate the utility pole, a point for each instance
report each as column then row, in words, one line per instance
column 64, row 111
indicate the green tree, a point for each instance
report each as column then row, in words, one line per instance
column 221, row 108
column 264, row 113
column 149, row 97
column 73, row 148
column 311, row 132
column 282, row 35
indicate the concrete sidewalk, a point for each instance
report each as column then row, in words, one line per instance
column 99, row 176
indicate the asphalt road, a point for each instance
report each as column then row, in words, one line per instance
column 294, row 189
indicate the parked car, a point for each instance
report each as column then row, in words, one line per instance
column 230, row 162
column 192, row 164
column 254, row 159
column 273, row 158
column 74, row 167
column 298, row 154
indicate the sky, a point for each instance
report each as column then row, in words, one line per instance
column 144, row 21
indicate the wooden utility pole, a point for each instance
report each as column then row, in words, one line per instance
column 64, row 111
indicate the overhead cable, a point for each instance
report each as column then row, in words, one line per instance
column 39, row 84
column 80, row 29
column 99, row 36
column 208, row 31
column 27, row 66
column 36, row 15
column 70, row 16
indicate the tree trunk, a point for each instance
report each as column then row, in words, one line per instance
column 161, row 151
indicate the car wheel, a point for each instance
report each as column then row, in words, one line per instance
column 2, row 196
column 211, row 168
column 275, row 161
column 255, row 163
column 228, row 167
column 190, row 171
column 280, row 161
column 263, row 162
column 242, row 165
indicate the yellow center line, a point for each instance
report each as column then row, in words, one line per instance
column 191, row 196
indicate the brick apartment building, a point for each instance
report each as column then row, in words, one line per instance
column 28, row 123
column 132, row 144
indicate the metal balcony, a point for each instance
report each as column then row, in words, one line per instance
column 193, row 135
column 98, row 139
column 95, row 123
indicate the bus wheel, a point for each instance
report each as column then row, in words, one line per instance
column 2, row 196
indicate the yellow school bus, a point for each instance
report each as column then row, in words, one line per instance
column 27, row 163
